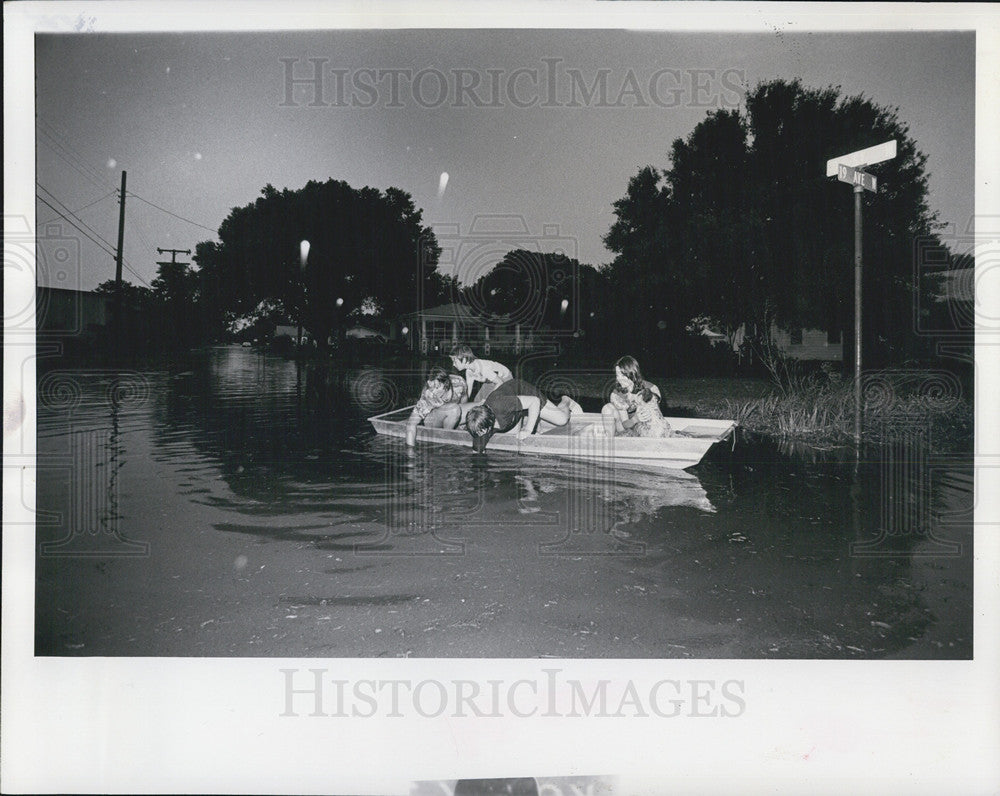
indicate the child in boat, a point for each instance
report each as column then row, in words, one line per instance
column 514, row 402
column 634, row 406
column 491, row 374
column 439, row 405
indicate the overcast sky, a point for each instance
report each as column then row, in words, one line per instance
column 201, row 122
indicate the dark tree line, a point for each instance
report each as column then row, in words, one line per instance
column 744, row 227
column 365, row 249
column 741, row 227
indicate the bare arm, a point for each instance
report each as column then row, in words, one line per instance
column 534, row 406
column 411, row 428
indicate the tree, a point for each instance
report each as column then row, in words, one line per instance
column 744, row 227
column 530, row 287
column 363, row 245
column 643, row 284
column 139, row 316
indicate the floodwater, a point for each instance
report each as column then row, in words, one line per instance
column 238, row 504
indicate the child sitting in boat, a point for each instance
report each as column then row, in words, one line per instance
column 513, row 402
column 491, row 374
column 439, row 405
column 634, row 406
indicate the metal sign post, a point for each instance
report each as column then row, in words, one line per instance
column 848, row 168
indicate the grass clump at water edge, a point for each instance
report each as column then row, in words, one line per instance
column 820, row 409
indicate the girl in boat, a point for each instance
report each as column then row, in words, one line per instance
column 439, row 405
column 634, row 407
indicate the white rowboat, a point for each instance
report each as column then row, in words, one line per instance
column 580, row 439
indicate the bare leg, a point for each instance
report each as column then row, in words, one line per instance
column 611, row 419
column 411, row 429
column 556, row 415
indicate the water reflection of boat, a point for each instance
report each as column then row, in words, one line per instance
column 693, row 437
column 629, row 492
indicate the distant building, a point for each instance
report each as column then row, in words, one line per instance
column 61, row 312
column 804, row 344
column 437, row 329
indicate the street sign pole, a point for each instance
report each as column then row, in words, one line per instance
column 849, row 168
column 858, row 190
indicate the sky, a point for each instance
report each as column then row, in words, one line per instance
column 202, row 121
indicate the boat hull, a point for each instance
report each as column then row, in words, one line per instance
column 579, row 439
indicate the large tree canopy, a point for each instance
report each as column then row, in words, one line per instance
column 363, row 245
column 744, row 226
column 530, row 287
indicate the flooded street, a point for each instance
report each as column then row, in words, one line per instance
column 238, row 504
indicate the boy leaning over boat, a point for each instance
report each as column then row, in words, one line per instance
column 440, row 403
column 515, row 401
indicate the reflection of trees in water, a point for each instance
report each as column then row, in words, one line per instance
column 278, row 429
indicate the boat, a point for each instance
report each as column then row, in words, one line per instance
column 582, row 438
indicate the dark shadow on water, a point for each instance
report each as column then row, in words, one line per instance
column 353, row 602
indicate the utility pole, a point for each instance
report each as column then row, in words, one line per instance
column 168, row 275
column 848, row 168
column 116, row 325
column 173, row 255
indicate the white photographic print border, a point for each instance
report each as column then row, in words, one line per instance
column 380, row 725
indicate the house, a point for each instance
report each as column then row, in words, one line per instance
column 436, row 329
column 803, row 344
column 62, row 312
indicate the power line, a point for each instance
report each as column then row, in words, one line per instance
column 67, row 210
column 69, row 220
column 80, row 209
column 59, row 139
column 67, row 154
column 92, row 235
column 169, row 213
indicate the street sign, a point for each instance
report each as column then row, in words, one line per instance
column 847, row 168
column 863, row 157
column 857, row 177
column 865, row 180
